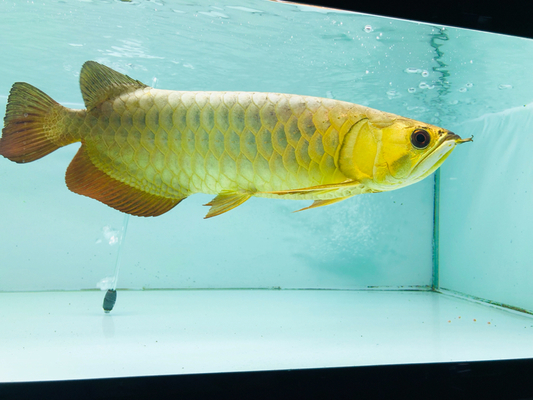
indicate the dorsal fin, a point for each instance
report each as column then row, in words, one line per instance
column 99, row 83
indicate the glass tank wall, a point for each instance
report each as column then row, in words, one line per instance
column 470, row 82
column 485, row 218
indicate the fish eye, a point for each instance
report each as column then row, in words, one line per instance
column 420, row 139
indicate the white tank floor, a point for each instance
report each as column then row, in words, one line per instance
column 66, row 335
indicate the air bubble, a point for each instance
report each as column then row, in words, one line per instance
column 368, row 28
column 111, row 235
column 425, row 74
column 413, row 70
column 469, row 85
column 106, row 283
column 411, row 90
column 462, row 90
column 393, row 94
column 504, row 87
column 424, row 85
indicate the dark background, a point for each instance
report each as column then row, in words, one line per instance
column 487, row 380
column 511, row 17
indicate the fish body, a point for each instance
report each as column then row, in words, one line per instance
column 144, row 149
column 176, row 143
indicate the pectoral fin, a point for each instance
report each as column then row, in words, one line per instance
column 317, row 189
column 226, row 201
column 320, row 203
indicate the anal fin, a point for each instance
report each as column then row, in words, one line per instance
column 226, row 201
column 84, row 178
column 320, row 203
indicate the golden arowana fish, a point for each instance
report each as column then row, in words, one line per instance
column 144, row 150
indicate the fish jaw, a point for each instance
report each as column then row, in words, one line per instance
column 432, row 162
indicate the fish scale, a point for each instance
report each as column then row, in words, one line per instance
column 144, row 150
column 220, row 141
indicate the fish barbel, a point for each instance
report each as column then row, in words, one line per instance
column 144, row 150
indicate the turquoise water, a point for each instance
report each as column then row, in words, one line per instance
column 466, row 81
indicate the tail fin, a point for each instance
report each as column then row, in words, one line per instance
column 30, row 129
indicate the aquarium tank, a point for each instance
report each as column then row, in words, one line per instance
column 434, row 272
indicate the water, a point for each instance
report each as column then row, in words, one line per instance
column 440, row 75
column 470, row 82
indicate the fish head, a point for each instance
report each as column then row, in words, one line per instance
column 409, row 151
column 386, row 152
